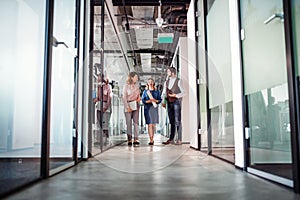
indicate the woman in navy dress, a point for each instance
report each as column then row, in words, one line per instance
column 151, row 98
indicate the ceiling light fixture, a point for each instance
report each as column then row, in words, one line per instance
column 159, row 20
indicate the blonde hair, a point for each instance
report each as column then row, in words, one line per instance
column 147, row 86
column 130, row 76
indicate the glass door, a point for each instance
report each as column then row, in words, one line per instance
column 62, row 125
column 21, row 92
column 266, row 90
column 219, row 70
column 294, row 8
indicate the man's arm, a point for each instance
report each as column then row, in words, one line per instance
column 182, row 90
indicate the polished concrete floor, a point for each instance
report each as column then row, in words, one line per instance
column 155, row 172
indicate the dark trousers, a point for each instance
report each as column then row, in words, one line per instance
column 174, row 113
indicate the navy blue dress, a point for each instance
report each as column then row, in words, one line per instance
column 151, row 113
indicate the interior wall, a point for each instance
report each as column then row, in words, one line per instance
column 192, row 89
column 85, row 75
column 237, row 84
column 184, row 76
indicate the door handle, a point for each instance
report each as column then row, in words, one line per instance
column 274, row 16
column 55, row 43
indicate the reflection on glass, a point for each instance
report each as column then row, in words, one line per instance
column 112, row 131
column 222, row 131
column 270, row 129
column 21, row 82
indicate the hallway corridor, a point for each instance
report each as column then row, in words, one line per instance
column 154, row 172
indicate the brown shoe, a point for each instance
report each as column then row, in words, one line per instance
column 167, row 142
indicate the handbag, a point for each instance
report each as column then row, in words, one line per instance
column 170, row 99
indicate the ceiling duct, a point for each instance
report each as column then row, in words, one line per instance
column 143, row 12
column 172, row 17
column 144, row 36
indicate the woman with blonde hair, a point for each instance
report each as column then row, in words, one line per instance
column 151, row 97
column 131, row 99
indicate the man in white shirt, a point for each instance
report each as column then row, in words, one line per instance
column 173, row 92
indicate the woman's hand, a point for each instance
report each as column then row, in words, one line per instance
column 129, row 110
column 138, row 99
column 150, row 100
column 153, row 100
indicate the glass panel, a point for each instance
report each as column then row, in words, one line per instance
column 296, row 31
column 21, row 82
column 62, row 88
column 222, row 133
column 97, row 134
column 220, row 79
column 265, row 46
column 115, row 71
column 268, row 108
column 218, row 50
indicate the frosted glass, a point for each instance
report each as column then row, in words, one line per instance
column 219, row 56
column 296, row 24
column 21, row 74
column 263, row 46
column 220, row 79
column 21, row 92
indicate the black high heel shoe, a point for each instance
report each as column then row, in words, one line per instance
column 151, row 143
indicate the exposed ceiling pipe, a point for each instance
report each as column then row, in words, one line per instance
column 181, row 19
column 173, row 8
column 127, row 30
column 172, row 16
column 113, row 22
column 126, row 17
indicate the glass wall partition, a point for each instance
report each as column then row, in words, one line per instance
column 295, row 22
column 267, row 96
column 219, row 79
column 114, row 76
column 21, row 91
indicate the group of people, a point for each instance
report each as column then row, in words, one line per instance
column 171, row 95
column 170, row 98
